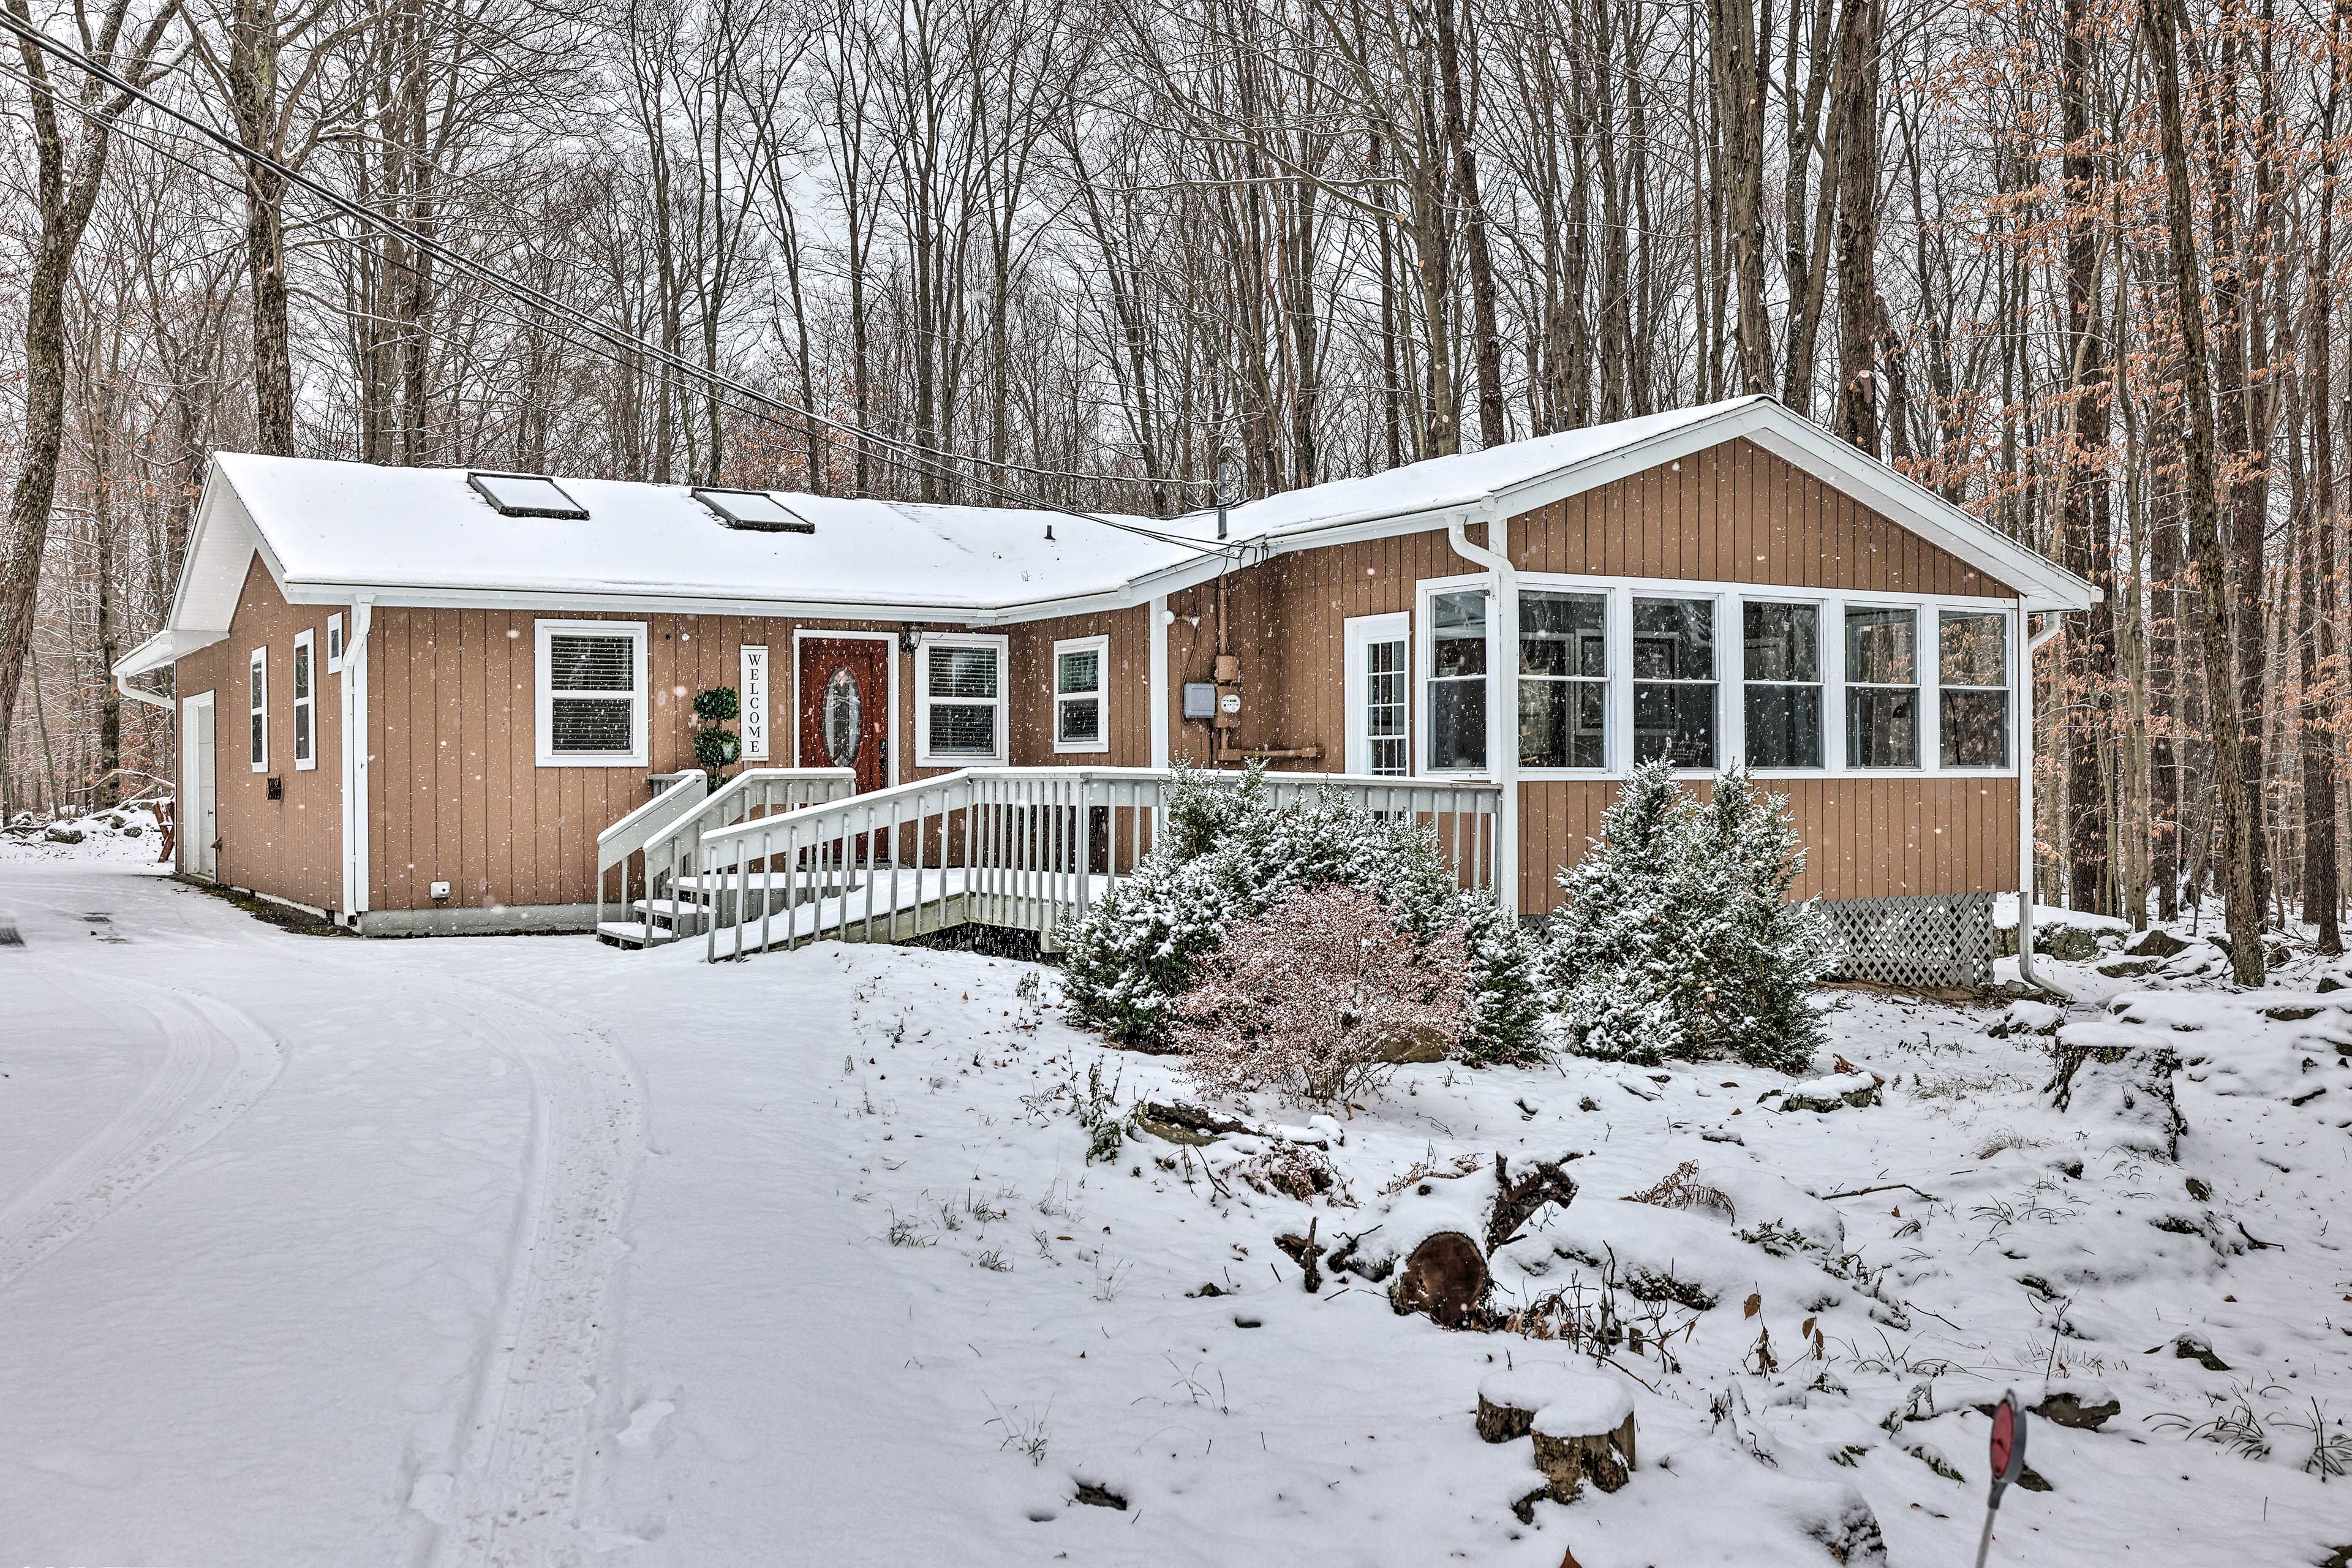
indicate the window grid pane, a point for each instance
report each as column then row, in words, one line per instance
column 1674, row 686
column 591, row 724
column 960, row 672
column 1457, row 680
column 1078, row 720
column 963, row 728
column 1079, row 671
column 1384, row 708
column 576, row 662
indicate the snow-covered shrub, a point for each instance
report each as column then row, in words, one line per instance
column 1676, row 938
column 1318, row 998
column 1228, row 854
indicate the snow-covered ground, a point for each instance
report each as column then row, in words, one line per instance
column 524, row 1250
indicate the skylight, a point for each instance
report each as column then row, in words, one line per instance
column 526, row 495
column 755, row 509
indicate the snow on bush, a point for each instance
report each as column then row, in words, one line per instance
column 1228, row 854
column 1318, row 999
column 1676, row 938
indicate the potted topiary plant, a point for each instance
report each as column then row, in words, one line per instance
column 716, row 747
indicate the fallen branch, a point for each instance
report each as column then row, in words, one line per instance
column 1517, row 1201
column 1889, row 1187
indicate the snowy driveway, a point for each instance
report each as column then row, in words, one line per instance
column 316, row 1250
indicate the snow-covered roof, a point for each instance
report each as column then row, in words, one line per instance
column 331, row 531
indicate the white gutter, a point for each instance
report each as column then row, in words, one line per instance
column 1160, row 617
column 355, row 759
column 152, row 655
column 1495, row 556
column 2025, row 969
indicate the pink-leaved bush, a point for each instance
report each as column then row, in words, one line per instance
column 1315, row 1000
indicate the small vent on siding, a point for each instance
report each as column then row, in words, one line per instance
column 754, row 512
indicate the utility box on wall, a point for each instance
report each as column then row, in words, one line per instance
column 1200, row 699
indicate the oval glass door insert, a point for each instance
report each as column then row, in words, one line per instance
column 842, row 711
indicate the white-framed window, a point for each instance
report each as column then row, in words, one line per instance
column 1563, row 679
column 306, row 705
column 1881, row 686
column 1781, row 686
column 1081, row 687
column 592, row 693
column 958, row 699
column 1378, row 695
column 1454, row 709
column 335, row 643
column 1972, row 693
column 257, row 709
column 1674, row 680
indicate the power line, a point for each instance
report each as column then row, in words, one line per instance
column 930, row 460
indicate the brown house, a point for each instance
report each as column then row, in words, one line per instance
column 522, row 655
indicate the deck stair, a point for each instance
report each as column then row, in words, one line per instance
column 653, row 851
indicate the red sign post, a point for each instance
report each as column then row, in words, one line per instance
column 2007, row 1456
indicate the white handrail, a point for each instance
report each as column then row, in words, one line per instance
column 1008, row 846
column 624, row 838
column 670, row 848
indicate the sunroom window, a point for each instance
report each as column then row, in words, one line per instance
column 1974, row 688
column 1882, row 688
column 1457, row 681
column 1563, row 680
column 1781, row 681
column 1674, row 681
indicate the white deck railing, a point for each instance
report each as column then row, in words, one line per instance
column 1022, row 847
column 659, row 840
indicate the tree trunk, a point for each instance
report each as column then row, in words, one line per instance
column 2161, row 29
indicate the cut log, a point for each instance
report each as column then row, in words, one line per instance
column 1445, row 1278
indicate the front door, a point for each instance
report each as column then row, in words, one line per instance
column 845, row 700
column 199, row 806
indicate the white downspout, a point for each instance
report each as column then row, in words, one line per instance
column 1160, row 619
column 355, row 760
column 2025, row 971
column 1503, row 737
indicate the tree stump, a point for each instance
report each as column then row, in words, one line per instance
column 1444, row 1277
column 1582, row 1423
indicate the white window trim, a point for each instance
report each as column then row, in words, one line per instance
column 1357, row 634
column 924, row 756
column 304, row 707
column 1826, row 666
column 1100, row 696
column 1424, row 664
column 1922, row 684
column 335, row 644
column 542, row 632
column 257, row 704
column 2008, row 686
column 1731, row 701
column 1722, row 606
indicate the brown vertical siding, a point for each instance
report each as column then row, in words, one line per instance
column 290, row 847
column 458, row 795
column 1126, row 675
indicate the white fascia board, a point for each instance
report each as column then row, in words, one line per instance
column 2041, row 584
column 212, row 574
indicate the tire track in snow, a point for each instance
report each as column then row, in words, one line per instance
column 218, row 1062
column 516, row 1495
